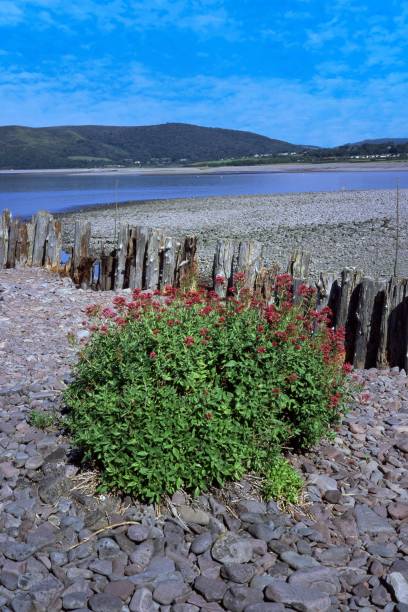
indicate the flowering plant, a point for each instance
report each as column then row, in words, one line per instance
column 181, row 389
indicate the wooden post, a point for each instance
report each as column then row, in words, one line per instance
column 265, row 283
column 81, row 260
column 298, row 266
column 107, row 279
column 170, row 254
column 22, row 244
column 4, row 236
column 140, row 238
column 223, row 266
column 54, row 246
column 12, row 243
column 121, row 257
column 152, row 272
column 350, row 280
column 368, row 319
column 393, row 341
column 41, row 222
column 326, row 286
column 185, row 273
column 250, row 261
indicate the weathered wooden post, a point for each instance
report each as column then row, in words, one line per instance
column 22, row 244
column 328, row 291
column 12, row 243
column 41, row 222
column 170, row 254
column 265, row 283
column 121, row 257
column 298, row 266
column 81, row 260
column 250, row 261
column 393, row 342
column 152, row 271
column 4, row 236
column 368, row 319
column 140, row 237
column 223, row 266
column 54, row 246
column 185, row 270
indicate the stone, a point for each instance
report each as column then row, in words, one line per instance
column 72, row 601
column 398, row 511
column 297, row 561
column 46, row 592
column 238, row 572
column 201, row 543
column 380, row 596
column 238, row 598
column 388, row 551
column 323, row 483
column 211, row 589
column 102, row 602
column 107, row 548
column 370, row 522
column 34, row 462
column 17, row 551
column 121, row 588
column 265, row 607
column 307, row 600
column 333, row 497
column 194, row 515
column 399, row 586
column 53, row 487
column 142, row 601
column 101, row 566
column 138, row 533
column 402, row 445
column 168, row 591
column 230, row 548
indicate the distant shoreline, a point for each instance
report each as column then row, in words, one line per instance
column 380, row 166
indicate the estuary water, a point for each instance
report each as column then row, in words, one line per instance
column 26, row 193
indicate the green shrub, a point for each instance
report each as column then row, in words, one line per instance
column 282, row 482
column 181, row 390
column 41, row 420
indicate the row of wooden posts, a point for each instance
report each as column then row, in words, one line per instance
column 373, row 312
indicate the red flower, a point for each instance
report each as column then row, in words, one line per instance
column 347, row 368
column 153, row 355
column 92, row 310
column 260, row 329
column 119, row 300
column 206, row 310
column 334, row 400
column 208, row 416
column 204, row 331
column 276, row 391
column 189, row 340
column 239, row 277
column 292, row 377
column 220, row 279
column 120, row 321
column 261, row 349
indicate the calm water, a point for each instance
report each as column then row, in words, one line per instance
column 25, row 194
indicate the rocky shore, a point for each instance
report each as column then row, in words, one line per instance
column 345, row 548
column 345, row 228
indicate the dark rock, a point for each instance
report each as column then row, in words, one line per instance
column 102, row 602
column 142, row 601
column 308, row 600
column 238, row 572
column 238, row 598
column 168, row 591
column 53, row 487
column 16, row 551
column 72, row 601
column 370, row 522
column 107, row 548
column 230, row 548
column 121, row 588
column 138, row 533
column 45, row 593
column 201, row 543
column 211, row 589
column 380, row 596
column 297, row 561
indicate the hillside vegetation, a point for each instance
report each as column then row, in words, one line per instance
column 96, row 146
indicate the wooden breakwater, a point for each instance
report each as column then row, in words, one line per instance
column 374, row 313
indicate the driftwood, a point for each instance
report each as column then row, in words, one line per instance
column 368, row 317
column 170, row 255
column 265, row 283
column 299, row 264
column 153, row 256
column 140, row 236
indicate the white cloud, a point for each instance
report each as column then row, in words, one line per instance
column 11, row 13
column 324, row 110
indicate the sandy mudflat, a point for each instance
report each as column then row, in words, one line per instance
column 285, row 167
column 353, row 228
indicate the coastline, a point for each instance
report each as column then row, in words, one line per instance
column 351, row 228
column 380, row 166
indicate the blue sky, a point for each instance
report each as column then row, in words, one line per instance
column 300, row 70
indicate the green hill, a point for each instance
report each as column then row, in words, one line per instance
column 95, row 146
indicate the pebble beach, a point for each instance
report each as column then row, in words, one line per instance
column 344, row 548
column 345, row 228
